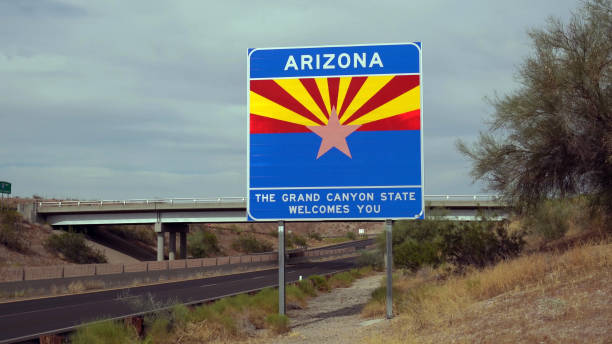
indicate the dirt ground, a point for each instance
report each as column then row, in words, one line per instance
column 36, row 255
column 333, row 317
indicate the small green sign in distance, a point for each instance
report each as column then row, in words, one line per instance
column 5, row 188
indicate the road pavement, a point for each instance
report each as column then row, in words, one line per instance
column 28, row 319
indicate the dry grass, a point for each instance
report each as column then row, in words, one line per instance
column 240, row 318
column 543, row 297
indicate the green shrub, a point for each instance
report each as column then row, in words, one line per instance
column 341, row 280
column 319, row 282
column 73, row 247
column 351, row 235
column 374, row 258
column 266, row 300
column 278, row 323
column 380, row 294
column 295, row 293
column 11, row 231
column 433, row 242
column 180, row 314
column 248, row 243
column 307, row 287
column 104, row 332
column 315, row 236
column 480, row 243
column 202, row 243
column 293, row 240
column 550, row 219
column 157, row 327
column 413, row 255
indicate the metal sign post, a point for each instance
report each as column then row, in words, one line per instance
column 389, row 261
column 282, row 305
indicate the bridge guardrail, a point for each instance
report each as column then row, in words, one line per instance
column 142, row 201
column 228, row 200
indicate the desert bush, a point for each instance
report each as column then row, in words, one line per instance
column 278, row 323
column 202, row 243
column 248, row 243
column 341, row 280
column 351, row 235
column 550, row 219
column 11, row 231
column 413, row 255
column 160, row 325
column 73, row 247
column 433, row 242
column 104, row 332
column 319, row 282
column 293, row 240
column 373, row 258
column 307, row 287
column 295, row 295
column 315, row 236
column 480, row 243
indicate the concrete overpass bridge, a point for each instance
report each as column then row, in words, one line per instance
column 173, row 215
column 225, row 209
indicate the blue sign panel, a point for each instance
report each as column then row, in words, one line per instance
column 335, row 133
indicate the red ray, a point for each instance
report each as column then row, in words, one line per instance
column 265, row 125
column 333, row 84
column 394, row 88
column 313, row 90
column 354, row 87
column 406, row 121
column 272, row 91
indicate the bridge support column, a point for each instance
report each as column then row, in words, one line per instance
column 160, row 240
column 160, row 246
column 183, row 247
column 172, row 246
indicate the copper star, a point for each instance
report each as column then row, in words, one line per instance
column 333, row 135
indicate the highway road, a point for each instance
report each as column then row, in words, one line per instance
column 29, row 319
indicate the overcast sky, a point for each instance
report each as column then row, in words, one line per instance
column 143, row 99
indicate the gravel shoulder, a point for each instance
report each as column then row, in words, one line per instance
column 334, row 317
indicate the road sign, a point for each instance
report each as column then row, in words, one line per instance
column 335, row 133
column 5, row 188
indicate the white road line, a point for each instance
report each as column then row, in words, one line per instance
column 258, row 277
column 207, row 285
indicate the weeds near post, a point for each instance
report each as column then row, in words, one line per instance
column 278, row 323
column 105, row 332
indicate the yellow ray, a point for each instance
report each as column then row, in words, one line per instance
column 342, row 89
column 369, row 88
column 295, row 88
column 324, row 90
column 406, row 102
column 265, row 107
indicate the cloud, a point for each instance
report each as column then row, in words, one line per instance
column 120, row 99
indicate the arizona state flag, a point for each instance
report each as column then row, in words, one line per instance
column 335, row 133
